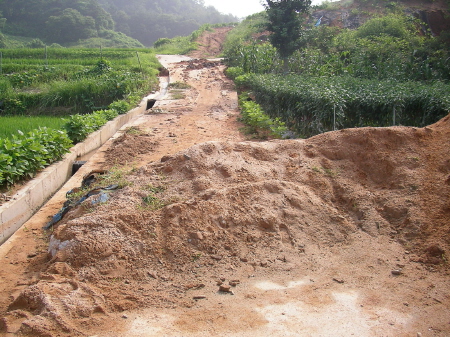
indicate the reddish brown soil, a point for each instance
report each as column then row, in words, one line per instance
column 346, row 233
column 210, row 44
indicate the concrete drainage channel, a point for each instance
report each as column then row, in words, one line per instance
column 27, row 201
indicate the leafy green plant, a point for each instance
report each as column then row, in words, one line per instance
column 120, row 106
column 233, row 72
column 258, row 122
column 78, row 127
column 23, row 155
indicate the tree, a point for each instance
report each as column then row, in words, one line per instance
column 285, row 23
column 70, row 26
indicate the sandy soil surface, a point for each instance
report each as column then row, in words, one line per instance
column 343, row 234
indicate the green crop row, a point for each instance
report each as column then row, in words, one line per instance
column 49, row 92
column 78, row 126
column 72, row 80
column 60, row 83
column 24, row 154
column 382, row 59
column 312, row 105
column 69, row 53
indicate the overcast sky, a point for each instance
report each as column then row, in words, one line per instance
column 241, row 8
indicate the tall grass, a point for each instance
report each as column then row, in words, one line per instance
column 9, row 125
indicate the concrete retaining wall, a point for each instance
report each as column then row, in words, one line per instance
column 29, row 199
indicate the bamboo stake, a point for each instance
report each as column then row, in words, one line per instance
column 334, row 117
column 393, row 115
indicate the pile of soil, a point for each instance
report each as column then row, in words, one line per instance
column 224, row 208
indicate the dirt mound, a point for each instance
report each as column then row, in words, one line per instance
column 224, row 210
column 134, row 142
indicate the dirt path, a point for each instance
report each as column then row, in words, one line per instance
column 343, row 234
column 208, row 112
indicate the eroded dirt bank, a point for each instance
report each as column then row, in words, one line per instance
column 345, row 233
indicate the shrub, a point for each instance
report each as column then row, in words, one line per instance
column 392, row 25
column 120, row 106
column 233, row 72
column 35, row 43
column 258, row 122
column 162, row 41
column 11, row 106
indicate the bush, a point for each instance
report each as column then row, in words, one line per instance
column 11, row 106
column 120, row 106
column 258, row 122
column 234, row 72
column 392, row 25
column 162, row 41
column 36, row 43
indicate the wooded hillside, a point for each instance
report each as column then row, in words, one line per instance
column 68, row 21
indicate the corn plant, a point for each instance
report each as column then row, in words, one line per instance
column 312, row 105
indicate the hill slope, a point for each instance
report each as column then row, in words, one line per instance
column 66, row 22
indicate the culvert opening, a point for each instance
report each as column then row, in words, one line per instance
column 76, row 165
column 150, row 103
column 163, row 72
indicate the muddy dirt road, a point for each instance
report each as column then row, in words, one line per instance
column 342, row 234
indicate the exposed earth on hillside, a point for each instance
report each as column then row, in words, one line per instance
column 210, row 44
column 352, row 14
column 343, row 234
